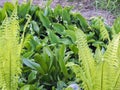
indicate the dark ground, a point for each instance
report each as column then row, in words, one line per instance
column 85, row 7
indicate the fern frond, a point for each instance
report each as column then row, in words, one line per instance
column 116, row 85
column 10, row 65
column 103, row 32
column 79, row 74
column 98, row 24
column 102, row 74
column 87, row 60
column 111, row 64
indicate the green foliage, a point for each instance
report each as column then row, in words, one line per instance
column 100, row 75
column 50, row 41
column 116, row 26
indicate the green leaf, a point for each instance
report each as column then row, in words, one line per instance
column 33, row 9
column 26, row 87
column 60, row 85
column 66, row 15
column 83, row 22
column 66, row 41
column 58, row 10
column 41, row 61
column 73, row 48
column 28, row 54
column 71, row 34
column 60, row 56
column 53, row 38
column 8, row 6
column 35, row 27
column 44, row 19
column 23, row 9
column 33, row 65
column 32, row 76
column 59, row 28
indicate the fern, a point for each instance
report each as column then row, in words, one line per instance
column 99, row 25
column 10, row 64
column 103, row 32
column 98, row 75
column 88, row 61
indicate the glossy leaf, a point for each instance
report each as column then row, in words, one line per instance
column 59, row 28
column 35, row 27
column 45, row 20
column 53, row 38
column 23, row 9
column 32, row 76
column 33, row 65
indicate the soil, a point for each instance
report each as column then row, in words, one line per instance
column 85, row 7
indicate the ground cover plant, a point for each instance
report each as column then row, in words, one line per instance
column 58, row 47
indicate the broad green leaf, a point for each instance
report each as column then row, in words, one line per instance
column 61, row 55
column 23, row 9
column 44, row 19
column 71, row 34
column 33, row 65
column 49, row 53
column 59, row 28
column 33, row 9
column 46, row 11
column 66, row 15
column 31, row 42
column 58, row 10
column 74, row 48
column 38, row 58
column 60, row 85
column 98, row 43
column 83, row 22
column 53, row 37
column 28, row 54
column 26, row 87
column 66, row 41
column 9, row 7
column 32, row 76
column 90, row 35
column 35, row 27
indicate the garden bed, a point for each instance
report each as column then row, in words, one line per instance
column 86, row 8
